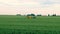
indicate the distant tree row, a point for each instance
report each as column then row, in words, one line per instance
column 48, row 15
column 30, row 14
column 35, row 15
column 52, row 15
column 18, row 14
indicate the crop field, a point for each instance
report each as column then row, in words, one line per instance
column 22, row 25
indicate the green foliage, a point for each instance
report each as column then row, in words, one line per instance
column 18, row 14
column 30, row 14
column 54, row 15
column 19, row 24
column 39, row 15
column 23, row 31
column 48, row 14
column 21, row 21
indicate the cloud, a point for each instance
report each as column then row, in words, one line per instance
column 29, row 5
column 51, row 2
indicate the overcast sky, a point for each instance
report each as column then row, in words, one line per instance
column 30, row 6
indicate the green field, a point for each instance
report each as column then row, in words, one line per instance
column 22, row 25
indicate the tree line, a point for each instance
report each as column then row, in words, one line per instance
column 36, row 15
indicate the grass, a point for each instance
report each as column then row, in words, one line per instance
column 22, row 25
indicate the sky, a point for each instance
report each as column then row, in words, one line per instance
column 44, row 7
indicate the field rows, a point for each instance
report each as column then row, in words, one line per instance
column 42, row 24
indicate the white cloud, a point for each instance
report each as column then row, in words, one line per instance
column 29, row 5
column 55, row 0
column 16, row 2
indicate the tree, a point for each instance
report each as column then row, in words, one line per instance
column 32, row 14
column 48, row 14
column 28, row 14
column 54, row 15
column 18, row 14
column 39, row 15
